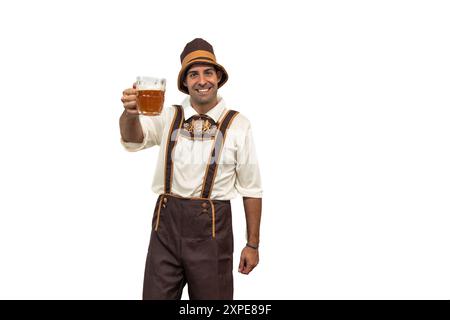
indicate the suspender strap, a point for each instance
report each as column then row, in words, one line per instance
column 171, row 141
column 211, row 168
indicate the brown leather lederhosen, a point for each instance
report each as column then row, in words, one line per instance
column 192, row 238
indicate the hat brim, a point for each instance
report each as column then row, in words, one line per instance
column 182, row 73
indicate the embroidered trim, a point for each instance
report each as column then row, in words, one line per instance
column 199, row 129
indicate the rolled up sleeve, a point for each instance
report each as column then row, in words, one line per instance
column 152, row 128
column 248, row 178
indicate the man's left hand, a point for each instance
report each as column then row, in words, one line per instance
column 249, row 260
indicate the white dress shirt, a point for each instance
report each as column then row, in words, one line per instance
column 237, row 170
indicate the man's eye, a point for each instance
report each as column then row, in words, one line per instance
column 192, row 75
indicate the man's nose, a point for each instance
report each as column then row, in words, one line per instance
column 202, row 80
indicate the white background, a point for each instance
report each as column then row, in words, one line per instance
column 349, row 103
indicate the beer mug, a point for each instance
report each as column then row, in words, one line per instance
column 150, row 95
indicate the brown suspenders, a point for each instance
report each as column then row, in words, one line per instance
column 171, row 141
column 211, row 168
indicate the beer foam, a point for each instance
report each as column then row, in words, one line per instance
column 150, row 87
column 150, row 83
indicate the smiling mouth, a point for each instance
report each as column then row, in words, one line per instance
column 203, row 91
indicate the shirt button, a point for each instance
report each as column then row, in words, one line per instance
column 205, row 205
column 204, row 210
column 165, row 200
column 163, row 205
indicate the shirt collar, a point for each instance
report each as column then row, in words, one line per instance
column 214, row 113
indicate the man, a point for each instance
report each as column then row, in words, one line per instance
column 206, row 157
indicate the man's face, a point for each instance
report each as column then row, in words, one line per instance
column 202, row 82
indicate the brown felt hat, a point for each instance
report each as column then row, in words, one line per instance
column 198, row 51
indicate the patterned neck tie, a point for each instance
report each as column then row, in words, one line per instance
column 200, row 117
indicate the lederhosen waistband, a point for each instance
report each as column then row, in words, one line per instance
column 211, row 168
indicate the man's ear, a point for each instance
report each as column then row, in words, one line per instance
column 219, row 75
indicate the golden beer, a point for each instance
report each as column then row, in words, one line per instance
column 150, row 102
column 150, row 95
